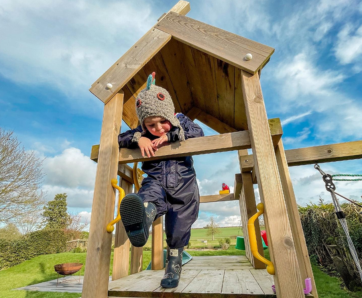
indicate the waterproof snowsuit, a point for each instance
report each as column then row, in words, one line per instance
column 171, row 184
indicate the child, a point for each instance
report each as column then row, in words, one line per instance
column 170, row 187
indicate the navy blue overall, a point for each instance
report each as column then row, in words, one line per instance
column 171, row 184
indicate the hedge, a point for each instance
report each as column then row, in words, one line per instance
column 29, row 246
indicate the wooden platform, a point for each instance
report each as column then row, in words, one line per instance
column 221, row 276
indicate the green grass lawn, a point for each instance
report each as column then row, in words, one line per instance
column 198, row 235
column 41, row 269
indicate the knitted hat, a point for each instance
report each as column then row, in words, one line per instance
column 155, row 101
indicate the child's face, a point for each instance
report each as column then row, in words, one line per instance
column 158, row 126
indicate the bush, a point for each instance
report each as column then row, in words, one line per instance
column 327, row 242
column 79, row 250
column 31, row 245
column 227, row 240
column 221, row 242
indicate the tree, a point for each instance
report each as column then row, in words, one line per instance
column 212, row 228
column 10, row 232
column 55, row 212
column 20, row 180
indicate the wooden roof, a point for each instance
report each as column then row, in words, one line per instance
column 200, row 65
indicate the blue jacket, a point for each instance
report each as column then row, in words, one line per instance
column 169, row 171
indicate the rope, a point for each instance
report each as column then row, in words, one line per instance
column 342, row 220
column 347, row 175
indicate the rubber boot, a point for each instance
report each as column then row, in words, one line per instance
column 173, row 268
column 137, row 218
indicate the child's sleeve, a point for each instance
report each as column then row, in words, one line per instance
column 191, row 129
column 125, row 139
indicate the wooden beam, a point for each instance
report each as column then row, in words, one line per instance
column 237, row 186
column 99, row 246
column 121, row 243
column 157, row 244
column 216, row 42
column 204, row 145
column 134, row 59
column 247, row 210
column 294, row 219
column 288, row 281
column 196, row 146
column 217, row 198
column 311, row 155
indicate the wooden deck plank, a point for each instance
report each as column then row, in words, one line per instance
column 186, row 277
column 240, row 282
column 218, row 43
column 211, row 283
column 206, row 281
column 264, row 279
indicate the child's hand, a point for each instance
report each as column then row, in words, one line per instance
column 158, row 142
column 146, row 146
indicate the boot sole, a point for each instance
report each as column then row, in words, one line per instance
column 169, row 284
column 133, row 216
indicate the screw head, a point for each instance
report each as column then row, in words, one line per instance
column 248, row 57
column 109, row 86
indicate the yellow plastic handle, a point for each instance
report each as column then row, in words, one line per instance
column 110, row 226
column 252, row 239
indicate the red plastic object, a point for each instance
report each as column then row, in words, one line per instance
column 225, row 187
column 265, row 238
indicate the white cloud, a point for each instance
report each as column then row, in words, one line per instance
column 77, row 197
column 301, row 78
column 85, row 217
column 67, row 44
column 294, row 118
column 349, row 45
column 70, row 169
column 296, row 141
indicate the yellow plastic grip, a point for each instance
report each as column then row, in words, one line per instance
column 110, row 226
column 252, row 239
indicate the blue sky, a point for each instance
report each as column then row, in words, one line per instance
column 52, row 51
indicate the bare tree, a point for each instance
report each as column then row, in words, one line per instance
column 212, row 228
column 20, row 178
column 75, row 227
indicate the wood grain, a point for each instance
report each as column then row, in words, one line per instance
column 99, row 246
column 294, row 219
column 217, row 198
column 134, row 59
column 136, row 259
column 316, row 154
column 218, row 43
column 248, row 209
column 204, row 145
column 121, row 243
column 288, row 280
column 157, row 244
column 129, row 64
column 196, row 146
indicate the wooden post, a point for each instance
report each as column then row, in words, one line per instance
column 288, row 280
column 121, row 244
column 99, row 249
column 136, row 259
column 248, row 209
column 157, row 244
column 294, row 219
